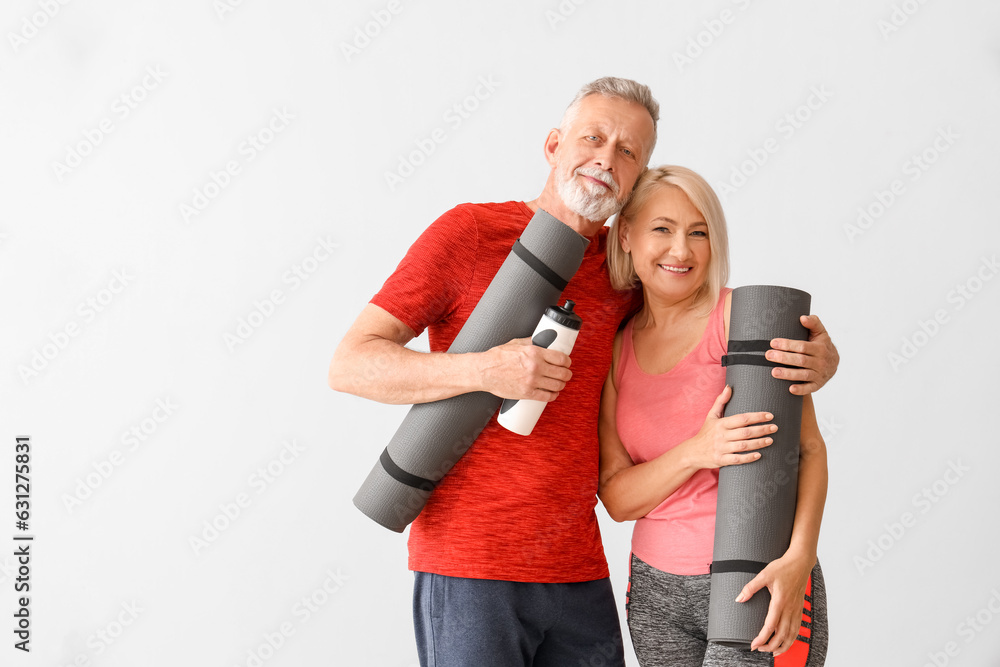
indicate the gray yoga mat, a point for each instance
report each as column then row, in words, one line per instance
column 434, row 436
column 756, row 505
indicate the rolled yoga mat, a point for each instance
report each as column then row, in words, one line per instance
column 434, row 436
column 756, row 504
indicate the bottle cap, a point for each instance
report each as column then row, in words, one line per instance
column 564, row 315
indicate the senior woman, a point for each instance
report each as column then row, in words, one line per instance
column 663, row 438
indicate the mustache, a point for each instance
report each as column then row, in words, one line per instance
column 601, row 175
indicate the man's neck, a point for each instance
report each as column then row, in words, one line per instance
column 554, row 206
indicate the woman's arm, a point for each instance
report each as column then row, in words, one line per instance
column 788, row 576
column 813, row 479
column 616, row 466
column 631, row 491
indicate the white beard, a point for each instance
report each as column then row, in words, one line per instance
column 592, row 204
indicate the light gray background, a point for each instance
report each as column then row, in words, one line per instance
column 905, row 574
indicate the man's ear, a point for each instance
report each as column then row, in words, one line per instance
column 552, row 145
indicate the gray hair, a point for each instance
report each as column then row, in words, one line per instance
column 623, row 89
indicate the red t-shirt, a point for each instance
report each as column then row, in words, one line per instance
column 514, row 508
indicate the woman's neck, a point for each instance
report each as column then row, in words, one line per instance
column 658, row 312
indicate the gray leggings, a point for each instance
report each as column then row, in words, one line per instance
column 668, row 620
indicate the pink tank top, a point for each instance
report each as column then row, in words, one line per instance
column 658, row 412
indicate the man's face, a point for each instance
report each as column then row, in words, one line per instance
column 600, row 154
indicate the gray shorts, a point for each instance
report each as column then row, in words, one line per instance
column 668, row 620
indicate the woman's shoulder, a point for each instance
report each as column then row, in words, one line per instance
column 726, row 296
column 616, row 348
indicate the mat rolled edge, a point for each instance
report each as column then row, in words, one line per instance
column 756, row 502
column 434, row 436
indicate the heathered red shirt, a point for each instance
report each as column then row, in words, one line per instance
column 513, row 508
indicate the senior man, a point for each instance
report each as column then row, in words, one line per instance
column 507, row 556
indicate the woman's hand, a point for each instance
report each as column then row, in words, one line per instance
column 724, row 441
column 786, row 578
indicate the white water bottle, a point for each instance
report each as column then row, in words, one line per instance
column 557, row 330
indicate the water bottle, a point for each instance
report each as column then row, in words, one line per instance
column 557, row 330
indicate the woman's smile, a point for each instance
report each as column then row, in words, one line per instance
column 673, row 268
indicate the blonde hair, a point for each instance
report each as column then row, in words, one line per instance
column 703, row 197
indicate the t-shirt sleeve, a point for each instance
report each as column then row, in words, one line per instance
column 431, row 281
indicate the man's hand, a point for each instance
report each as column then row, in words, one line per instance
column 521, row 370
column 817, row 358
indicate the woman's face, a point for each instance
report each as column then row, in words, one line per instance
column 668, row 241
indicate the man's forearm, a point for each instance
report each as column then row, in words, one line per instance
column 373, row 362
column 384, row 371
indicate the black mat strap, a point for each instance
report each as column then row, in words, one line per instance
column 751, row 566
column 751, row 360
column 749, row 345
column 402, row 476
column 538, row 266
